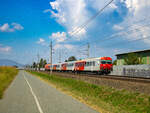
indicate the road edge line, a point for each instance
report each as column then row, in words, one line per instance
column 33, row 94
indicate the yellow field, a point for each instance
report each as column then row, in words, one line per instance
column 7, row 74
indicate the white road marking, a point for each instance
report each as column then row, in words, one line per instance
column 35, row 98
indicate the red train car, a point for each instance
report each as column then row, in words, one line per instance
column 64, row 67
column 79, row 65
column 47, row 67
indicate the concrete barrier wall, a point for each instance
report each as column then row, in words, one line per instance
column 132, row 70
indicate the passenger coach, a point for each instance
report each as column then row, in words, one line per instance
column 100, row 65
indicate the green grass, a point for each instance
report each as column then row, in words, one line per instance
column 103, row 97
column 7, row 74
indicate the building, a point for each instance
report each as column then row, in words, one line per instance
column 144, row 55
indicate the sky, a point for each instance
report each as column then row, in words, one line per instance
column 28, row 26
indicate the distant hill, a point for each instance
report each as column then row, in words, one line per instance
column 6, row 62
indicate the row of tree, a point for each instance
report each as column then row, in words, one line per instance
column 72, row 58
column 40, row 64
column 131, row 59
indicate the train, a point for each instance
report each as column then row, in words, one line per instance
column 99, row 65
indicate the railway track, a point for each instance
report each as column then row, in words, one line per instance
column 113, row 77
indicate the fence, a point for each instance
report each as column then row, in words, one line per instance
column 132, row 70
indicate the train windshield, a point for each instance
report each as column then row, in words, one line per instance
column 103, row 62
column 109, row 62
column 106, row 62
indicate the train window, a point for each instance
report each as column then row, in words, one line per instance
column 93, row 63
column 81, row 64
column 103, row 62
column 90, row 63
column 109, row 62
column 87, row 64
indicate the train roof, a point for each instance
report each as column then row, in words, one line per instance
column 94, row 58
column 138, row 51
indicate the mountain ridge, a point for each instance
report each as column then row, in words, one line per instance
column 7, row 62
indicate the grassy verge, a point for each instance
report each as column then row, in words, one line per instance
column 102, row 98
column 7, row 74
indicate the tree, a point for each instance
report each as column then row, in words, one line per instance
column 44, row 62
column 132, row 59
column 72, row 58
column 66, row 60
column 41, row 63
column 115, row 62
column 34, row 65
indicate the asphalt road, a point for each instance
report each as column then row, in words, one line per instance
column 28, row 94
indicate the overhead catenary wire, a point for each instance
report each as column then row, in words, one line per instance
column 113, row 36
column 78, row 29
column 110, row 37
column 128, row 41
column 127, row 29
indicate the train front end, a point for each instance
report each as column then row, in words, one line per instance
column 47, row 67
column 106, row 65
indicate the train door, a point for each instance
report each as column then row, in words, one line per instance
column 97, row 65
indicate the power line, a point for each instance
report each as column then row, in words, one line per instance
column 127, row 29
column 92, row 18
column 80, row 28
column 60, row 56
column 88, row 50
column 38, row 57
column 117, row 34
column 51, row 54
column 129, row 41
column 113, row 36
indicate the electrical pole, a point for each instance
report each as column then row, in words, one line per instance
column 51, row 52
column 38, row 63
column 88, row 50
column 60, row 56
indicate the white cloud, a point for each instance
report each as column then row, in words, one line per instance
column 69, row 46
column 77, row 31
column 98, row 4
column 10, row 28
column 137, row 11
column 5, row 49
column 64, row 46
column 5, row 28
column 117, row 27
column 73, row 13
column 55, row 4
column 17, row 26
column 140, row 33
column 59, row 36
column 41, row 41
column 46, row 11
column 69, row 12
column 135, row 6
